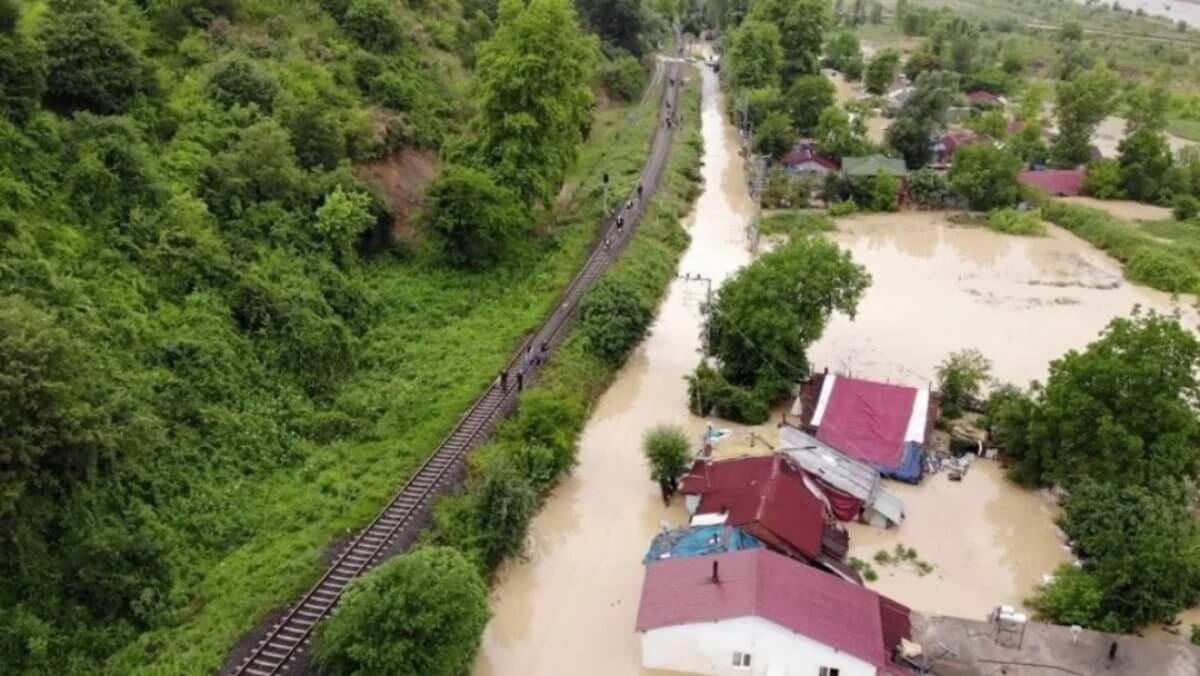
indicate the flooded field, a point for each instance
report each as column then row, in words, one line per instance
column 570, row 608
column 1111, row 132
column 1022, row 301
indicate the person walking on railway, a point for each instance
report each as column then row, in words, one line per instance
column 620, row 223
column 504, row 380
column 639, row 190
column 520, row 380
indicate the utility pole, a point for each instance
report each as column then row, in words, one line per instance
column 689, row 277
column 757, row 183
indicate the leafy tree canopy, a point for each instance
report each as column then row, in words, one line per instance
column 420, row 613
column 801, row 25
column 807, row 97
column 1083, row 102
column 755, row 55
column 91, row 67
column 471, row 218
column 985, row 176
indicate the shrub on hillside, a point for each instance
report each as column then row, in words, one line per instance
column 622, row 76
column 612, row 321
column 22, row 77
column 91, row 67
column 420, row 613
column 238, row 80
column 470, row 218
column 373, row 23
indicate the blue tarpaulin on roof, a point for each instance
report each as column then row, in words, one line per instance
column 911, row 467
column 682, row 543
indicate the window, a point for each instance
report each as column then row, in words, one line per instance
column 829, row 671
column 741, row 660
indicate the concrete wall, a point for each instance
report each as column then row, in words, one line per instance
column 708, row 647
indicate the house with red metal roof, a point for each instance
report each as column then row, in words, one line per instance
column 808, row 160
column 983, row 99
column 949, row 143
column 772, row 499
column 757, row 612
column 1056, row 182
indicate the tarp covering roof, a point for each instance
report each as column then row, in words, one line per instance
column 764, row 584
column 870, row 420
column 872, row 165
column 681, row 543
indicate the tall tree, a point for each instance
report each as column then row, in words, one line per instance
column 837, row 135
column 91, row 67
column 842, row 50
column 882, row 70
column 617, row 22
column 802, row 25
column 807, row 98
column 1083, row 103
column 1145, row 159
column 534, row 97
column 985, row 176
column 923, row 114
column 766, row 315
column 755, row 55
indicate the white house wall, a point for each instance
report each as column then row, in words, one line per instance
column 708, row 647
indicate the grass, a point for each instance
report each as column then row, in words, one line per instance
column 1184, row 128
column 795, row 222
column 1014, row 222
column 1170, row 266
column 439, row 339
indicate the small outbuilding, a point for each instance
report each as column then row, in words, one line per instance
column 757, row 612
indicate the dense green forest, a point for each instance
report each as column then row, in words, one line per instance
column 224, row 332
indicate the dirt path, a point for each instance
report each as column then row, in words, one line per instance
column 1123, row 209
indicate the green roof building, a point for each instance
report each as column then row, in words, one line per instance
column 872, row 165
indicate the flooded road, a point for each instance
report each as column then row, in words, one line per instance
column 571, row 607
column 1022, row 301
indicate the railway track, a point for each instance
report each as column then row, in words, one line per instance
column 286, row 642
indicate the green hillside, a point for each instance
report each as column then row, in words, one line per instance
column 225, row 335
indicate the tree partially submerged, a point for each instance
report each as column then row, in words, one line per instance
column 961, row 379
column 669, row 454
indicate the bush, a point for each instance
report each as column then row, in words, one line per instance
column 373, row 23
column 710, row 393
column 90, row 66
column 668, row 452
column 839, row 209
column 1016, row 222
column 22, row 77
column 550, row 422
column 612, row 321
column 1185, row 207
column 503, row 503
column 961, row 378
column 10, row 14
column 1072, row 597
column 929, row 189
column 1103, row 180
column 884, row 189
column 623, row 77
column 420, row 613
column 1163, row 269
column 985, row 176
column 238, row 80
column 471, row 219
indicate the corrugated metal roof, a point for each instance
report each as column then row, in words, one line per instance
column 760, row 583
column 763, row 490
column 844, row 473
column 1055, row 181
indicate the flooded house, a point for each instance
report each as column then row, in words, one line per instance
column 773, row 500
column 806, row 160
column 946, row 145
column 885, row 425
column 854, row 488
column 757, row 612
column 681, row 543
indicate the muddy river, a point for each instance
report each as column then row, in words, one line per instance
column 570, row 607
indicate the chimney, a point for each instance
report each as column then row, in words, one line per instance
column 716, row 576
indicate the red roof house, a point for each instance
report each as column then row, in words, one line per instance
column 756, row 608
column 807, row 158
column 950, row 142
column 772, row 499
column 1058, row 182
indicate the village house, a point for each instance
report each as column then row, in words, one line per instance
column 807, row 160
column 773, row 500
column 759, row 613
column 984, row 99
column 884, row 425
column 946, row 145
column 854, row 488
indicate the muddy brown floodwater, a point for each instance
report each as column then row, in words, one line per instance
column 571, row 607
